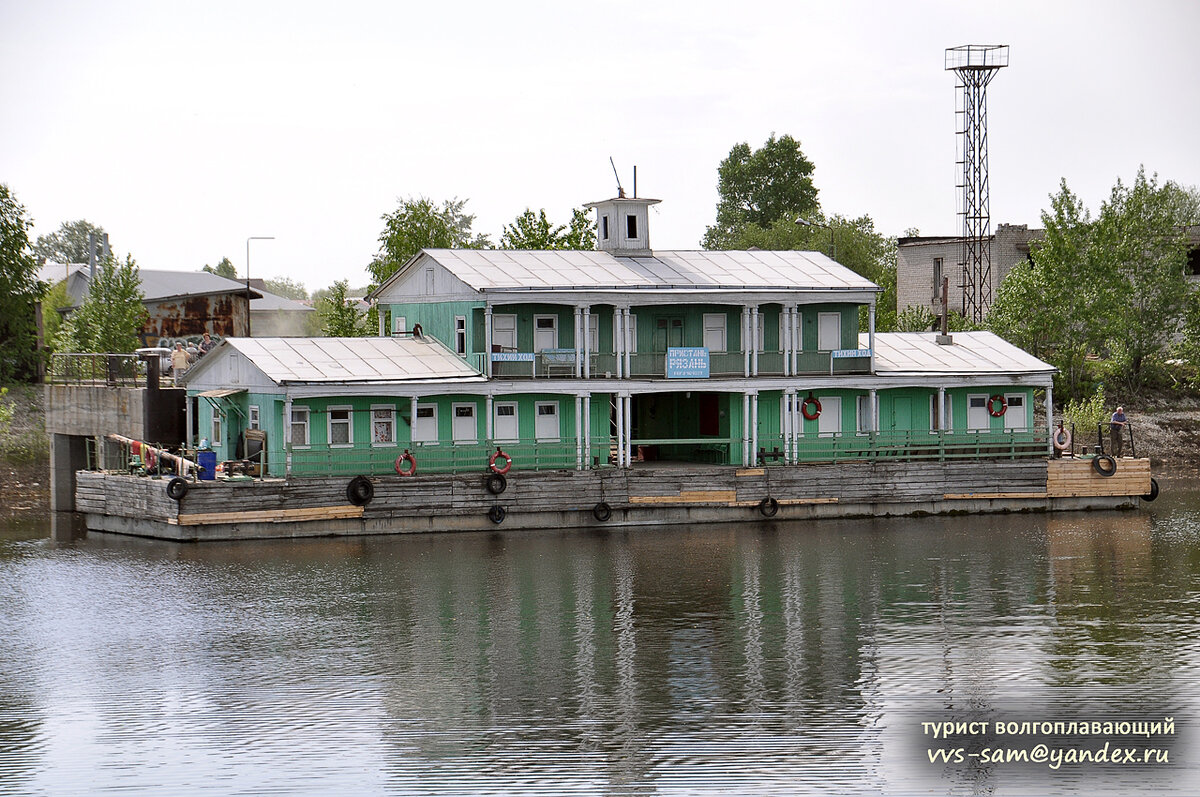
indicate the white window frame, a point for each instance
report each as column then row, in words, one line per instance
column 416, row 422
column 948, row 421
column 827, row 403
column 593, row 333
column 496, row 331
column 821, row 341
column 306, row 412
column 862, row 408
column 329, row 411
column 632, row 334
column 460, row 335
column 537, row 413
column 399, row 325
column 390, row 409
column 987, row 418
column 554, row 327
column 254, row 417
column 218, row 422
column 496, row 424
column 1009, row 416
column 716, row 324
column 454, row 408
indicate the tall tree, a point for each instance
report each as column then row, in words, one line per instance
column 286, row 287
column 340, row 316
column 420, row 224
column 534, row 231
column 223, row 269
column 69, row 243
column 761, row 187
column 20, row 291
column 112, row 315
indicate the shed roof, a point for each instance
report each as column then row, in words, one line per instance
column 395, row 359
column 971, row 353
column 507, row 270
column 157, row 284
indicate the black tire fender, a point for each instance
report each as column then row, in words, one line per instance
column 496, row 483
column 1150, row 496
column 177, row 488
column 1104, row 465
column 360, row 491
column 602, row 511
column 769, row 507
column 497, row 514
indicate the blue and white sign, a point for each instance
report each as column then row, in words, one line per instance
column 512, row 357
column 838, row 353
column 687, row 363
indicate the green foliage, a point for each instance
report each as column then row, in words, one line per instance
column 54, row 300
column 6, row 412
column 340, row 316
column 957, row 322
column 534, row 231
column 915, row 318
column 761, row 187
column 20, row 290
column 1114, row 286
column 113, row 314
column 1086, row 413
column 223, row 269
column 68, row 244
column 420, row 224
column 287, row 288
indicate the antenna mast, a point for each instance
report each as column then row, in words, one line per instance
column 620, row 190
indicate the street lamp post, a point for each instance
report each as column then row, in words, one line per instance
column 832, row 248
column 249, row 331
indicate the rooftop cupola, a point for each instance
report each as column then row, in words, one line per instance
column 622, row 225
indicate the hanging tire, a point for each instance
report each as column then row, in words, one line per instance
column 497, row 514
column 1104, row 465
column 1150, row 496
column 360, row 491
column 602, row 511
column 769, row 507
column 177, row 488
column 496, row 483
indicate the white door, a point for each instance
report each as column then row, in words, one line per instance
column 504, row 332
column 830, row 422
column 464, row 427
column 505, row 423
column 1014, row 416
column 425, row 425
column 977, row 413
column 545, row 332
column 545, row 427
column 829, row 331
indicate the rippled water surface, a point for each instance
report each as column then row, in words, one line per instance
column 752, row 659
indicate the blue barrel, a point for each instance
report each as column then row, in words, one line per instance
column 207, row 460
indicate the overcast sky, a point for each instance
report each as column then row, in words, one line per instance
column 183, row 129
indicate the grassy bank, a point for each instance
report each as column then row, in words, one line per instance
column 25, row 451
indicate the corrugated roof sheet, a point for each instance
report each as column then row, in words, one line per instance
column 352, row 359
column 499, row 269
column 971, row 353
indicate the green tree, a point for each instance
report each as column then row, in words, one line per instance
column 761, row 187
column 340, row 316
column 420, row 224
column 287, row 288
column 534, row 231
column 53, row 301
column 915, row 318
column 223, row 269
column 112, row 315
column 69, row 243
column 20, row 291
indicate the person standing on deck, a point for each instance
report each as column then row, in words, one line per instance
column 1116, row 431
column 179, row 362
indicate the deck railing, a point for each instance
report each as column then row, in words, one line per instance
column 560, row 364
column 111, row 370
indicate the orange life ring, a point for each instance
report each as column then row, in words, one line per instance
column 992, row 410
column 1062, row 439
column 508, row 461
column 814, row 414
column 399, row 464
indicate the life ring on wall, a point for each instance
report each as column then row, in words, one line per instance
column 995, row 411
column 176, row 489
column 410, row 459
column 360, row 491
column 496, row 483
column 508, row 461
column 813, row 414
column 1104, row 465
column 1062, row 439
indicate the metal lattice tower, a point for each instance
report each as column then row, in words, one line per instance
column 975, row 65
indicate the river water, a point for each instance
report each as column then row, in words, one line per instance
column 736, row 659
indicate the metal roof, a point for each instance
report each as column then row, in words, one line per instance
column 980, row 353
column 500, row 270
column 157, row 285
column 271, row 301
column 394, row 359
